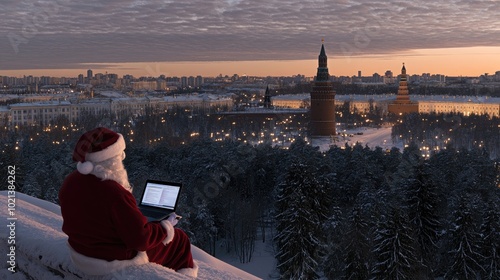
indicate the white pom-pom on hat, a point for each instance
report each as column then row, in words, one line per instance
column 85, row 167
column 95, row 146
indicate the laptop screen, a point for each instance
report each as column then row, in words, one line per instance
column 159, row 194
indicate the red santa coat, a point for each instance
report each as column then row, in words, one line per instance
column 102, row 221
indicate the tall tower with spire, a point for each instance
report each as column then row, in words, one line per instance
column 402, row 104
column 403, row 97
column 267, row 98
column 322, row 115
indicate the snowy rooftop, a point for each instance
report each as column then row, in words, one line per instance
column 194, row 97
column 445, row 98
column 4, row 97
column 41, row 103
column 113, row 94
column 41, row 251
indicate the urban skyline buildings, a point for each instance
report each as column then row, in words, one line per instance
column 387, row 77
column 470, row 62
column 360, row 72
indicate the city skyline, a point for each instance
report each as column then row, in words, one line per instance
column 342, row 66
column 261, row 38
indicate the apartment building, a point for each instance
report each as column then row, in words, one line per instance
column 44, row 112
column 38, row 113
column 464, row 105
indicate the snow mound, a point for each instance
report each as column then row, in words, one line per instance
column 41, row 251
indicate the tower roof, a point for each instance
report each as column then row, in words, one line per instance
column 322, row 52
column 322, row 74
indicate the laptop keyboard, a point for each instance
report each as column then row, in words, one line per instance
column 153, row 214
column 148, row 213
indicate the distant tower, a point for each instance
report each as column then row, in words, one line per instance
column 267, row 98
column 403, row 97
column 402, row 104
column 89, row 75
column 322, row 122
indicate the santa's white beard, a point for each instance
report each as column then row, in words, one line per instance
column 113, row 169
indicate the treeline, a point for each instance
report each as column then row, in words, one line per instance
column 347, row 213
column 450, row 130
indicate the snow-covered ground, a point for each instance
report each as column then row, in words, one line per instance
column 371, row 137
column 41, row 252
column 262, row 264
column 40, row 243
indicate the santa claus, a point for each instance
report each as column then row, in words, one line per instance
column 106, row 230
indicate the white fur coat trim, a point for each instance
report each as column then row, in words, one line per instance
column 193, row 272
column 170, row 231
column 93, row 266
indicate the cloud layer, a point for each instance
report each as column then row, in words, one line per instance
column 63, row 33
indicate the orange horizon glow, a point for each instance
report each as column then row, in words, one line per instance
column 467, row 62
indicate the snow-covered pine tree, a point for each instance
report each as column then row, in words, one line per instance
column 490, row 232
column 464, row 247
column 332, row 263
column 204, row 231
column 422, row 203
column 406, row 170
column 446, row 167
column 45, row 166
column 301, row 210
column 265, row 168
column 357, row 249
column 404, row 176
column 355, row 175
column 393, row 159
column 394, row 248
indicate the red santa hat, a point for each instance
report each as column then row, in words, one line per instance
column 97, row 145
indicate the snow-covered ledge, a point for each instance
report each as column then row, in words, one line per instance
column 41, row 252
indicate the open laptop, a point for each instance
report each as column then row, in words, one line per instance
column 159, row 199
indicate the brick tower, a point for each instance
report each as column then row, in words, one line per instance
column 402, row 104
column 322, row 122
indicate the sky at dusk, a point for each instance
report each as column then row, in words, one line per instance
column 258, row 37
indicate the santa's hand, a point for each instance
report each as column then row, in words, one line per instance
column 173, row 219
column 168, row 224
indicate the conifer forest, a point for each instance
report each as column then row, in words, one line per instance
column 351, row 212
